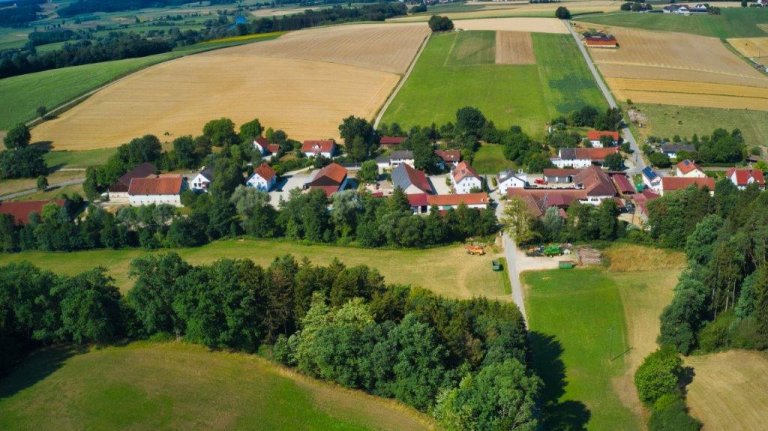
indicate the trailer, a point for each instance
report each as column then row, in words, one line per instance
column 566, row 264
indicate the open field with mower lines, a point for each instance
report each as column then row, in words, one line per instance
column 530, row 25
column 755, row 48
column 513, row 47
column 284, row 83
column 481, row 10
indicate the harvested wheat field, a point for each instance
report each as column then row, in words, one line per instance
column 728, row 391
column 691, row 93
column 515, row 8
column 514, row 47
column 532, row 25
column 304, row 84
column 755, row 48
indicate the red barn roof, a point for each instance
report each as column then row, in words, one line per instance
column 623, row 183
column 680, row 183
column 391, row 140
column 449, row 156
column 595, row 135
column 318, row 146
column 458, row 199
column 161, row 185
column 20, row 211
column 141, row 171
column 418, row 199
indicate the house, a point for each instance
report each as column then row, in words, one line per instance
column 325, row 148
column 510, row 179
column 20, row 211
column 622, row 183
column 265, row 149
column 202, row 180
column 396, row 158
column 559, row 175
column 651, row 179
column 741, row 178
column 582, row 157
column 671, row 150
column 595, row 137
column 330, row 179
column 410, row 180
column 390, row 142
column 471, row 200
column 419, row 203
column 448, row 158
column 596, row 184
column 671, row 184
column 689, row 169
column 601, row 40
column 263, row 178
column 156, row 190
column 641, row 201
column 465, row 179
column 118, row 191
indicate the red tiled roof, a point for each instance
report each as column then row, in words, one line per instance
column 449, row 156
column 163, row 185
column 551, row 172
column 273, row 148
column 318, row 146
column 333, row 174
column 328, row 190
column 463, row 170
column 262, row 141
column 743, row 176
column 418, row 178
column 595, row 153
column 265, row 171
column 680, row 183
column 20, row 211
column 687, row 166
column 623, row 184
column 458, row 199
column 391, row 140
column 418, row 199
column 595, row 182
column 600, row 42
column 595, row 135
column 141, row 171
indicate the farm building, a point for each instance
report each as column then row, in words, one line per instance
column 510, row 179
column 20, row 211
column 582, row 157
column 388, row 162
column 118, row 191
column 264, row 178
column 156, row 190
column 202, row 180
column 689, row 169
column 650, row 178
column 465, row 179
column 448, row 158
column 410, row 180
column 559, row 175
column 418, row 203
column 265, row 148
column 471, row 200
column 601, row 40
column 742, row 178
column 325, row 148
column 595, row 137
column 330, row 179
column 671, row 150
column 390, row 142
column 622, row 183
column 671, row 184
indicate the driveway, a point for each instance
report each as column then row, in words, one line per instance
column 289, row 181
column 438, row 182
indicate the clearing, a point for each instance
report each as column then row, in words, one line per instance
column 434, row 269
column 289, row 84
column 146, row 386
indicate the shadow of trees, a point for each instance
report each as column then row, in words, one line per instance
column 34, row 368
column 547, row 362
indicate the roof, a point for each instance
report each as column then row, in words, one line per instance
column 743, row 176
column 418, row 199
column 687, row 166
column 207, row 172
column 449, row 156
column 401, row 155
column 595, row 182
column 623, row 183
column 598, row 154
column 681, row 183
column 642, row 199
column 674, row 148
column 560, row 172
column 505, row 175
column 649, row 173
column 458, row 199
column 538, row 200
column 262, row 141
column 595, row 135
column 463, row 170
column 391, row 140
column 318, row 146
column 20, row 211
column 404, row 176
column 141, row 171
column 601, row 42
column 265, row 171
column 329, row 175
column 273, row 148
column 159, row 185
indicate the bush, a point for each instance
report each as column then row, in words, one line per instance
column 716, row 335
column 660, row 160
column 562, row 13
column 658, row 375
column 670, row 414
column 440, row 23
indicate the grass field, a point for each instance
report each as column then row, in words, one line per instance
column 490, row 159
column 78, row 159
column 149, row 386
column 524, row 95
column 435, row 269
column 733, row 22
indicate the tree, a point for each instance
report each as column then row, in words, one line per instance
column 369, row 172
column 250, row 131
column 184, row 149
column 517, row 221
column 17, row 137
column 552, row 224
column 42, row 182
column 562, row 13
column 440, row 23
column 154, row 292
column 90, row 307
column 359, row 137
column 670, row 414
column 659, row 375
column 614, row 162
column 256, row 214
column 24, row 162
column 660, row 160
column 682, row 318
column 470, row 120
column 220, row 132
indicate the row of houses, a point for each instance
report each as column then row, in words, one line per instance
column 688, row 173
column 582, row 157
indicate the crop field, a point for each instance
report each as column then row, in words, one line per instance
column 527, row 95
column 728, row 390
column 434, row 269
column 281, row 82
column 528, row 25
column 510, row 9
column 148, row 386
column 514, row 47
column 755, row 48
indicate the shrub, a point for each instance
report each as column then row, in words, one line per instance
column 658, row 375
column 670, row 414
column 440, row 23
column 716, row 335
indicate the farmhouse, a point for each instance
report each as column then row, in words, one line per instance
column 465, row 179
column 20, row 211
column 601, row 40
column 118, row 191
column 510, row 179
column 471, row 200
column 156, row 190
column 742, row 178
column 330, row 179
column 671, row 150
column 559, row 175
column 390, row 142
column 202, row 180
column 390, row 161
column 595, row 137
column 448, row 158
column 582, row 157
column 325, row 148
column 265, row 149
column 689, row 169
column 410, row 180
column 651, row 179
column 671, row 184
column 263, row 178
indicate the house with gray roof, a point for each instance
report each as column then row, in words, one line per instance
column 410, row 180
column 394, row 159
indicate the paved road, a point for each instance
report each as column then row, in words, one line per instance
column 510, row 252
column 636, row 158
column 33, row 190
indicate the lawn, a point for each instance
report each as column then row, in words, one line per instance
column 445, row 270
column 457, row 70
column 78, row 159
column 733, row 22
column 149, row 386
column 489, row 159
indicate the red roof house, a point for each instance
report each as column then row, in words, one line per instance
column 325, row 148
column 670, row 184
column 452, row 157
column 265, row 171
column 601, row 41
column 158, row 185
column 472, row 200
column 741, row 178
column 141, row 171
column 330, row 179
column 687, row 168
column 391, row 141
column 595, row 136
column 20, row 211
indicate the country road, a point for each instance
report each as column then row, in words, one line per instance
column 510, row 252
column 33, row 190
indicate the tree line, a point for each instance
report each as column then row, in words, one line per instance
column 721, row 147
column 464, row 360
column 22, row 12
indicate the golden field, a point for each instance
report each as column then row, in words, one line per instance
column 755, row 48
column 532, row 25
column 690, row 93
column 517, row 8
column 304, row 83
column 514, row 47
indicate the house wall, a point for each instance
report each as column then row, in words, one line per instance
column 141, row 200
column 693, row 174
column 260, row 183
column 118, row 197
column 514, row 183
column 466, row 185
column 595, row 200
column 199, row 183
column 576, row 164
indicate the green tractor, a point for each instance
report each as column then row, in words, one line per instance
column 552, row 250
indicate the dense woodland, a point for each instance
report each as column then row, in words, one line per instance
column 465, row 361
column 25, row 11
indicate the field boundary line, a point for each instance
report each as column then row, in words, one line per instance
column 400, row 84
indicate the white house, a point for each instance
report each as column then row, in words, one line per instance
column 689, row 169
column 325, row 148
column 265, row 149
column 156, row 190
column 510, row 179
column 651, row 179
column 202, row 180
column 410, row 180
column 264, row 178
column 388, row 162
column 465, row 179
column 471, row 200
column 742, row 178
column 118, row 191
column 581, row 157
